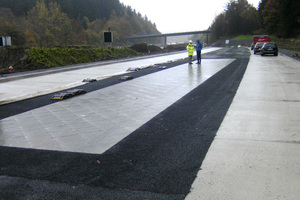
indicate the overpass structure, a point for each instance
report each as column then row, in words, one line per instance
column 164, row 36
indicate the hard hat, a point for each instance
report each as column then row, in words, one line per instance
column 190, row 41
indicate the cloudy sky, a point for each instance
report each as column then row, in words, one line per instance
column 180, row 16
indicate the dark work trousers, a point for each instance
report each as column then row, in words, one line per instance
column 199, row 56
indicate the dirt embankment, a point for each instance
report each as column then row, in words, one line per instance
column 17, row 59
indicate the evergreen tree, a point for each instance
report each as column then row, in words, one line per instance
column 239, row 17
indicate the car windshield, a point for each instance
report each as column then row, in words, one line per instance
column 259, row 44
column 270, row 45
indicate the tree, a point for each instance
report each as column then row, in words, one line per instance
column 289, row 25
column 271, row 16
column 239, row 17
column 280, row 17
column 58, row 22
column 85, row 22
column 97, row 25
column 218, row 29
column 249, row 17
column 92, row 38
column 32, row 38
column 10, row 27
column 16, row 33
column 48, row 22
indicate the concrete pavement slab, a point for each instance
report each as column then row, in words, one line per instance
column 256, row 153
column 95, row 121
column 36, row 84
column 245, row 169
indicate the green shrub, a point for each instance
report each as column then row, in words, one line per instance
column 62, row 56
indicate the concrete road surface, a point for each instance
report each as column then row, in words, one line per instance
column 256, row 152
column 225, row 129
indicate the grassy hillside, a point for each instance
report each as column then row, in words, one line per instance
column 23, row 59
column 41, row 58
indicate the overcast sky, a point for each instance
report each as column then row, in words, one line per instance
column 181, row 15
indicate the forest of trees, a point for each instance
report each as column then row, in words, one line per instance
column 280, row 18
column 48, row 23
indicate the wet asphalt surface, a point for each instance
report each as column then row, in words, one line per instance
column 159, row 160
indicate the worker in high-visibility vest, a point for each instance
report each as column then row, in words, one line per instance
column 190, row 48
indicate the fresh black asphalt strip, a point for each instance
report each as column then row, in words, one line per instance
column 160, row 160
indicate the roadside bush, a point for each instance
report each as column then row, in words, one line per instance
column 55, row 57
column 40, row 58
